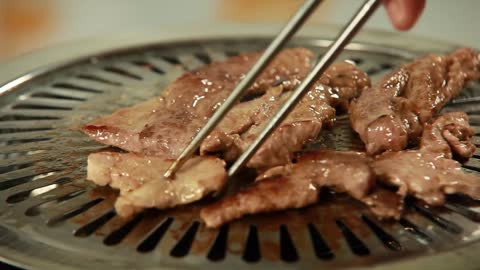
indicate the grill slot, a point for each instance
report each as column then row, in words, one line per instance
column 27, row 125
column 322, row 250
column 39, row 187
column 24, row 136
column 288, row 252
column 51, row 198
column 123, row 72
column 49, row 193
column 94, row 78
column 203, row 57
column 163, row 64
column 355, row 244
column 421, row 235
column 190, row 62
column 185, row 243
column 76, row 87
column 155, row 237
column 93, row 225
column 448, row 225
column 148, row 66
column 252, row 247
column 172, row 60
column 47, row 104
column 113, row 77
column 55, row 220
column 119, row 234
column 10, row 164
column 25, row 148
column 28, row 115
column 59, row 94
column 219, row 248
column 20, row 176
column 388, row 240
column 464, row 211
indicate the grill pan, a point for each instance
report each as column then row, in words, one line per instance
column 51, row 218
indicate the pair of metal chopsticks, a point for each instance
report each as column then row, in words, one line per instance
column 355, row 24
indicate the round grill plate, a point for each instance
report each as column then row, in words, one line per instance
column 51, row 217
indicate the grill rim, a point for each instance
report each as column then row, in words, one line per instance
column 56, row 58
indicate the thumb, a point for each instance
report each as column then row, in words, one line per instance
column 404, row 13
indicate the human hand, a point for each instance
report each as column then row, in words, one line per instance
column 404, row 13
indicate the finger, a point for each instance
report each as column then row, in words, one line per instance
column 404, row 13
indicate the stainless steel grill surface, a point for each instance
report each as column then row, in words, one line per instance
column 51, row 217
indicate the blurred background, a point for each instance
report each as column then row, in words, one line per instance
column 26, row 25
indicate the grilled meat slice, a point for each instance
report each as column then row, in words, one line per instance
column 303, row 124
column 166, row 124
column 295, row 185
column 342, row 82
column 265, row 196
column 429, row 172
column 424, row 175
column 393, row 113
column 449, row 134
column 141, row 184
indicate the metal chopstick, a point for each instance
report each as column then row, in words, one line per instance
column 272, row 50
column 357, row 21
column 292, row 26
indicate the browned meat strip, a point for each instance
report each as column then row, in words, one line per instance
column 343, row 81
column 165, row 125
column 266, row 196
column 449, row 134
column 392, row 114
column 226, row 138
column 295, row 185
column 424, row 175
column 302, row 125
column 141, row 184
column 346, row 82
column 429, row 172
